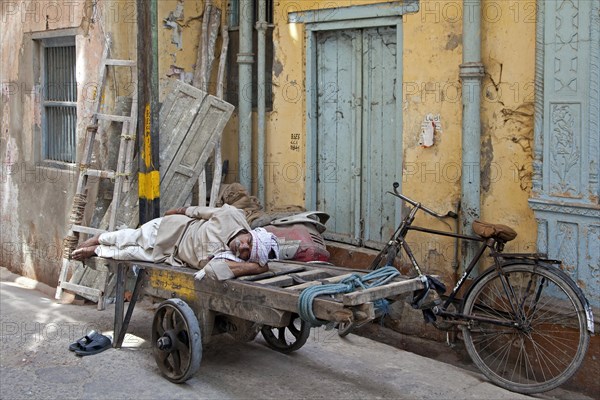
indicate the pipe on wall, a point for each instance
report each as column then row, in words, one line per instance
column 261, row 27
column 471, row 75
column 245, row 58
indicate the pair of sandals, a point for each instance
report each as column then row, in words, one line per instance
column 90, row 344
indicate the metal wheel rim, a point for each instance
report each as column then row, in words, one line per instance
column 289, row 338
column 173, row 324
column 529, row 334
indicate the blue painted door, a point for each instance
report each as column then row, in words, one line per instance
column 381, row 143
column 357, row 140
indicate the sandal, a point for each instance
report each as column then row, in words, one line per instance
column 97, row 345
column 87, row 339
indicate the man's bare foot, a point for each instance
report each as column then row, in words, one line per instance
column 93, row 241
column 83, row 253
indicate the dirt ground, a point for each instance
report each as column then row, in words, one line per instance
column 454, row 354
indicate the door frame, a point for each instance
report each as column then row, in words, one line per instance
column 353, row 17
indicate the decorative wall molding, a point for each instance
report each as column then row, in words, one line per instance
column 565, row 157
column 594, row 83
column 561, row 208
column 334, row 14
column 566, row 154
column 566, row 46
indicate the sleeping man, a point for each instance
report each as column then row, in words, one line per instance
column 218, row 241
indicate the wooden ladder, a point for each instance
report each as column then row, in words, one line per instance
column 122, row 171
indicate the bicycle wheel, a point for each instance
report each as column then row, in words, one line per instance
column 545, row 337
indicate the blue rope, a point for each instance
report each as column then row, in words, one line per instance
column 375, row 278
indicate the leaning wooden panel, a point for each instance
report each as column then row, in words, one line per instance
column 195, row 150
column 177, row 114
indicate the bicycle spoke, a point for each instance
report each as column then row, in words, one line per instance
column 545, row 358
column 554, row 348
column 549, row 338
column 529, row 369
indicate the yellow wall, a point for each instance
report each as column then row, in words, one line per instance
column 508, row 52
column 432, row 53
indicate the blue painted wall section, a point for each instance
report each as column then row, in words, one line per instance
column 567, row 135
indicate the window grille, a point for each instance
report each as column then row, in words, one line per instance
column 59, row 100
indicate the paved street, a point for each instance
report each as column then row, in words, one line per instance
column 36, row 364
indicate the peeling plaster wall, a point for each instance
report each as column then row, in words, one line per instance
column 178, row 60
column 431, row 85
column 431, row 58
column 36, row 199
column 508, row 54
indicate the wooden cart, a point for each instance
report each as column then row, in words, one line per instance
column 194, row 311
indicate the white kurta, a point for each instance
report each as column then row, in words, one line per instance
column 130, row 244
column 189, row 239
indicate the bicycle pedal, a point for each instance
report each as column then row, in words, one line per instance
column 432, row 300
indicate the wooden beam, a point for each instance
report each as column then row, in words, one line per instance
column 381, row 292
column 147, row 56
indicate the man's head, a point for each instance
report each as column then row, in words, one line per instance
column 256, row 246
column 241, row 245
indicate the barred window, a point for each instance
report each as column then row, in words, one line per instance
column 59, row 99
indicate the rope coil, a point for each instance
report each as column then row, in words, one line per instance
column 376, row 278
column 79, row 202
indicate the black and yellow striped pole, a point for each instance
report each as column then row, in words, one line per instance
column 147, row 55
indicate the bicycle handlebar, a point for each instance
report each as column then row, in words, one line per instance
column 449, row 214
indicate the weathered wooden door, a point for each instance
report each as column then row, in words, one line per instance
column 357, row 136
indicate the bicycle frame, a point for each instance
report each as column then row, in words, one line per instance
column 468, row 270
column 405, row 226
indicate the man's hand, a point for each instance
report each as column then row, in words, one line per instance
column 175, row 211
column 246, row 268
column 221, row 270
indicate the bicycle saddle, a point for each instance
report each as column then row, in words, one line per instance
column 496, row 231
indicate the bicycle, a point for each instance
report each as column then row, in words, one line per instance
column 526, row 325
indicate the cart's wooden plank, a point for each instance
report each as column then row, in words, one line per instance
column 270, row 274
column 315, row 265
column 380, row 292
column 334, row 279
column 154, row 266
column 273, row 297
column 251, row 312
column 287, row 280
column 283, row 268
column 275, row 265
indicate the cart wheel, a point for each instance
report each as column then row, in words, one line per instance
column 176, row 340
column 289, row 338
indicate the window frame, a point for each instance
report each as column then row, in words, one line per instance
column 63, row 38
